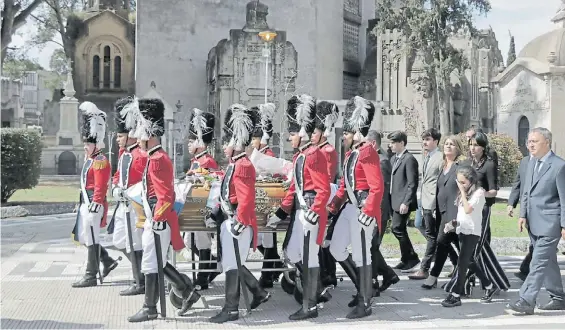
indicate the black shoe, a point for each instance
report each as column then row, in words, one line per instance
column 451, row 301
column 136, row 288
column 553, row 305
column 149, row 309
column 521, row 306
column 182, row 287
column 521, row 276
column 489, row 293
column 309, row 307
column 108, row 263
column 230, row 310
column 400, row 266
column 428, row 286
column 311, row 313
column 92, row 266
column 388, row 281
column 409, row 265
column 259, row 294
column 363, row 306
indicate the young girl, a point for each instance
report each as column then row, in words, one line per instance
column 470, row 202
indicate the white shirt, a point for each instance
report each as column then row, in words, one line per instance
column 471, row 224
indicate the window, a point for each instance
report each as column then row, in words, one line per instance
column 107, row 63
column 350, row 85
column 30, row 97
column 117, row 72
column 96, row 71
column 523, row 130
column 350, row 41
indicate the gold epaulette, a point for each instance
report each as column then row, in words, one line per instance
column 162, row 209
column 100, row 164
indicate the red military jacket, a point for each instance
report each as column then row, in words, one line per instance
column 160, row 184
column 267, row 151
column 331, row 157
column 204, row 160
column 315, row 179
column 138, row 162
column 368, row 176
column 242, row 192
column 97, row 179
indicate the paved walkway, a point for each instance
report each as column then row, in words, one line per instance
column 39, row 263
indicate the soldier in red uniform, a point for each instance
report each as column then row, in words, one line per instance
column 131, row 165
column 158, row 196
column 362, row 188
column 305, row 201
column 267, row 242
column 200, row 134
column 94, row 179
column 239, row 229
column 326, row 116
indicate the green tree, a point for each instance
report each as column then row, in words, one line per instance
column 16, row 64
column 426, row 26
column 511, row 52
column 14, row 16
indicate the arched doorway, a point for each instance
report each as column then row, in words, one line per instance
column 67, row 164
column 523, row 130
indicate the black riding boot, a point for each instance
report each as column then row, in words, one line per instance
column 149, row 309
column 108, row 263
column 328, row 273
column 349, row 267
column 259, row 294
column 230, row 310
column 363, row 307
column 266, row 279
column 92, row 266
column 137, row 287
column 202, row 277
column 212, row 276
column 309, row 307
column 182, row 286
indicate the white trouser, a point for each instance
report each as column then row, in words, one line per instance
column 120, row 238
column 347, row 231
column 202, row 240
column 149, row 260
column 266, row 240
column 295, row 246
column 228, row 251
column 84, row 224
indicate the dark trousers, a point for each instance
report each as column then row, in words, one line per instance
column 444, row 247
column 525, row 265
column 468, row 243
column 430, row 233
column 399, row 224
column 378, row 262
column 486, row 221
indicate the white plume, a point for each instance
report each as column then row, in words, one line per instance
column 198, row 125
column 241, row 126
column 96, row 120
column 304, row 112
column 267, row 111
column 131, row 114
column 360, row 114
column 330, row 120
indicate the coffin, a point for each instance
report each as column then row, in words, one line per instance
column 198, row 205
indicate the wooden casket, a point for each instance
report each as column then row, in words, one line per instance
column 268, row 197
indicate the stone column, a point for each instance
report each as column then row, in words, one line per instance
column 68, row 133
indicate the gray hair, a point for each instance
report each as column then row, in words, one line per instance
column 374, row 135
column 544, row 132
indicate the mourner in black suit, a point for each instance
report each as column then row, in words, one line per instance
column 380, row 267
column 403, row 189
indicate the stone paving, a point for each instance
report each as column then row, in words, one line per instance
column 39, row 263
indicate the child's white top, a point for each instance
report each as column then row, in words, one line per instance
column 471, row 224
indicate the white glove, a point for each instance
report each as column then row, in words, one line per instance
column 307, row 222
column 159, row 225
column 236, row 229
column 273, row 221
column 118, row 194
column 210, row 223
column 448, row 227
column 94, row 207
column 365, row 220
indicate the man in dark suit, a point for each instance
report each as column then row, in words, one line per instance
column 403, row 189
column 542, row 208
column 513, row 200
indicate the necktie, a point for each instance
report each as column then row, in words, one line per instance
column 537, row 168
column 426, row 163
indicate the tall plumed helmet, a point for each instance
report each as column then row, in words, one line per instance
column 94, row 124
column 120, row 120
column 239, row 123
column 131, row 116
column 264, row 127
column 201, row 127
column 301, row 111
column 358, row 116
column 152, row 119
column 327, row 114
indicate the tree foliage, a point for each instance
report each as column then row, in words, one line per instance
column 14, row 15
column 511, row 52
column 17, row 63
column 426, row 26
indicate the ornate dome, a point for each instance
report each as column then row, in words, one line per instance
column 549, row 48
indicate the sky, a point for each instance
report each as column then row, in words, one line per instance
column 525, row 19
